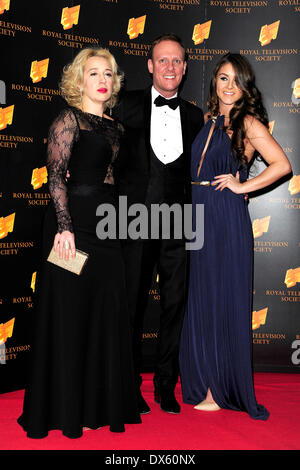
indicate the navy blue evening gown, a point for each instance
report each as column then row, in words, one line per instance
column 216, row 340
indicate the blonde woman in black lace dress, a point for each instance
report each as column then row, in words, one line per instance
column 81, row 371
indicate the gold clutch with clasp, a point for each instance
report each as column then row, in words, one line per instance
column 74, row 265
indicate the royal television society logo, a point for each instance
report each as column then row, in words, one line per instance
column 4, row 5
column 294, row 185
column 268, row 33
column 293, row 105
column 7, row 225
column 37, row 198
column 239, row 7
column 6, row 330
column 296, row 88
column 69, row 16
column 39, row 177
column 259, row 318
column 33, row 281
column 6, row 116
column 201, row 32
column 175, row 5
column 292, row 276
column 39, row 70
column 260, row 226
column 295, row 4
column 65, row 38
column 136, row 26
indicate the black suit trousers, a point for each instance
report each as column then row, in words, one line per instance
column 169, row 257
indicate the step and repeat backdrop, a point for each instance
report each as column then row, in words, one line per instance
column 38, row 39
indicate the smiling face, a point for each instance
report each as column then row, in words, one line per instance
column 167, row 66
column 227, row 89
column 97, row 84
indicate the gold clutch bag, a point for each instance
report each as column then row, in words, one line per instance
column 75, row 265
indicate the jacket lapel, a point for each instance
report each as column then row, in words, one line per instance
column 184, row 127
column 147, row 120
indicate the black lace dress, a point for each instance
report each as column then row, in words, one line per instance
column 81, row 369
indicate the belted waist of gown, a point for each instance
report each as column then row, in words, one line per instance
column 202, row 183
column 90, row 186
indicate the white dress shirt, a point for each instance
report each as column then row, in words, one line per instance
column 165, row 131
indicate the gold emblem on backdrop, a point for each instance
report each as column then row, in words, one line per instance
column 69, row 16
column 260, row 226
column 33, row 280
column 294, row 185
column 259, row 318
column 6, row 330
column 292, row 277
column 296, row 90
column 6, row 116
column 271, row 126
column 7, row 225
column 39, row 177
column 136, row 27
column 4, row 5
column 268, row 32
column 39, row 70
column 201, row 32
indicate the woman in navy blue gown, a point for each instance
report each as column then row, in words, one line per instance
column 216, row 341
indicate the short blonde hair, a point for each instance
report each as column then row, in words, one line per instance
column 72, row 76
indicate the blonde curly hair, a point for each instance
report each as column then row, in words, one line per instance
column 72, row 76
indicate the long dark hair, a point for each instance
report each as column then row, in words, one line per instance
column 249, row 104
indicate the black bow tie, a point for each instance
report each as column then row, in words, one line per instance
column 161, row 101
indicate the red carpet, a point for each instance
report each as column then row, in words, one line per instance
column 191, row 430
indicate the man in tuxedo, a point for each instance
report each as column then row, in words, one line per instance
column 155, row 168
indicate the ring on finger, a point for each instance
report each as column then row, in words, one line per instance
column 67, row 245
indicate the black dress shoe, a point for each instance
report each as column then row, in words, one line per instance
column 143, row 407
column 167, row 401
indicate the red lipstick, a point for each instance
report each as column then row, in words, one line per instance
column 102, row 90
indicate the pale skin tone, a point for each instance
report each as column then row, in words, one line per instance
column 96, row 89
column 167, row 67
column 257, row 138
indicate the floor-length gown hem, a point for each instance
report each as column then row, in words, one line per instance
column 74, row 435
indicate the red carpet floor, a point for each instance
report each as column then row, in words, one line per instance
column 191, row 430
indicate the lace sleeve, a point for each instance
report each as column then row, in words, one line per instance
column 62, row 134
column 115, row 140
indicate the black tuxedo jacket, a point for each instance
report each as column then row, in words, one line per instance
column 132, row 169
